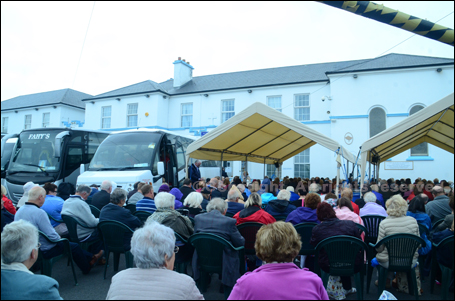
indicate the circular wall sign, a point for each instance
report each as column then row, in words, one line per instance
column 348, row 138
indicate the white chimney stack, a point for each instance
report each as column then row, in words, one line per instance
column 183, row 72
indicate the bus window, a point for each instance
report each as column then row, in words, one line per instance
column 180, row 157
column 73, row 159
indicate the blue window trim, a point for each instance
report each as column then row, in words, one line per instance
column 420, row 158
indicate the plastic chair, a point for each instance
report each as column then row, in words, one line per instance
column 180, row 267
column 142, row 215
column 447, row 271
column 361, row 228
column 436, row 224
column 113, row 233
column 183, row 212
column 131, row 207
column 305, row 230
column 210, row 249
column 71, row 224
column 280, row 217
column 342, row 251
column 423, row 230
column 46, row 264
column 249, row 231
column 401, row 249
column 192, row 220
column 95, row 211
column 54, row 219
column 371, row 223
column 229, row 214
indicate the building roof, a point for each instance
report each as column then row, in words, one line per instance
column 65, row 96
column 277, row 76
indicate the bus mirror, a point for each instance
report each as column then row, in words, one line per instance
column 6, row 137
column 82, row 168
column 58, row 143
column 160, row 168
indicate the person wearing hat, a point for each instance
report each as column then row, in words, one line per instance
column 178, row 196
column 24, row 198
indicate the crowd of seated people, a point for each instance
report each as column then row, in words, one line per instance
column 218, row 208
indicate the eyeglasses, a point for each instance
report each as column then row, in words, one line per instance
column 176, row 249
column 38, row 246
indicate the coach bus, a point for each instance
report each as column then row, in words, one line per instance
column 147, row 155
column 48, row 155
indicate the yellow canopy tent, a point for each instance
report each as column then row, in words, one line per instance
column 434, row 125
column 263, row 135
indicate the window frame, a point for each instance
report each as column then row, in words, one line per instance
column 5, row 120
column 280, row 109
column 128, row 115
column 106, row 117
column 25, row 122
column 186, row 115
column 369, row 120
column 308, row 155
column 300, row 107
column 227, row 112
column 46, row 124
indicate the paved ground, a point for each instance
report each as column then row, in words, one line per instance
column 95, row 287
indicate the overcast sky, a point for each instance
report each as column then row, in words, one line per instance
column 130, row 42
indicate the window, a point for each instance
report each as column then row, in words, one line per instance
column 28, row 122
column 4, row 125
column 302, row 164
column 422, row 148
column 227, row 109
column 105, row 117
column 270, row 171
column 302, row 107
column 180, row 156
column 186, row 113
column 274, row 102
column 46, row 119
column 377, row 119
column 131, row 115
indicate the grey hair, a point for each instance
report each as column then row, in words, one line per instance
column 151, row 244
column 369, row 197
column 105, row 185
column 284, row 195
column 313, row 188
column 35, row 193
column 193, row 200
column 19, row 238
column 234, row 194
column 164, row 200
column 217, row 204
column 241, row 187
column 118, row 195
column 396, row 206
column 253, row 199
column 197, row 161
column 83, row 188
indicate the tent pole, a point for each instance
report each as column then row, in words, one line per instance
column 221, row 168
column 264, row 169
column 246, row 169
column 377, row 172
column 369, row 172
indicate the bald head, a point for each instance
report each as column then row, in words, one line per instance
column 37, row 195
column 437, row 191
column 106, row 185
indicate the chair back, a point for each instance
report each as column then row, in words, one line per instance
column 183, row 212
column 342, row 251
column 210, row 249
column 142, row 215
column 437, row 223
column 361, row 228
column 401, row 249
column 371, row 223
column 71, row 224
column 249, row 231
column 113, row 233
column 192, row 220
column 446, row 243
column 305, row 230
column 281, row 217
column 423, row 230
column 229, row 214
column 131, row 207
column 95, row 211
column 179, row 238
column 54, row 219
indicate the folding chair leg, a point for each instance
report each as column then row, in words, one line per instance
column 107, row 264
column 359, row 283
column 414, row 284
column 381, row 279
column 446, row 273
column 369, row 276
column 116, row 261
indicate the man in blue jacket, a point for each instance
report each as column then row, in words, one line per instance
column 281, row 205
column 194, row 172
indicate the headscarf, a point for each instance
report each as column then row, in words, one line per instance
column 164, row 188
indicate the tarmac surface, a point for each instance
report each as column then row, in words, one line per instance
column 94, row 287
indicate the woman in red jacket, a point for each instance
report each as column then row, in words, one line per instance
column 253, row 212
column 7, row 203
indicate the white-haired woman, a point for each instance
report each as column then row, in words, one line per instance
column 253, row 212
column 193, row 203
column 19, row 252
column 397, row 223
column 281, row 205
column 153, row 248
column 371, row 207
column 166, row 215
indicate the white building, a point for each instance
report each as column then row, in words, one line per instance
column 348, row 101
column 60, row 108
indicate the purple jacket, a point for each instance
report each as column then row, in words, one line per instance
column 279, row 281
column 178, row 196
column 302, row 215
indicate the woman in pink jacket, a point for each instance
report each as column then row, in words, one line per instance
column 345, row 211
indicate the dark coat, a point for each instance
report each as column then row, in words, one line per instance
column 333, row 227
column 234, row 207
column 112, row 212
column 279, row 207
column 216, row 223
column 101, row 199
column 195, row 173
column 302, row 215
column 185, row 190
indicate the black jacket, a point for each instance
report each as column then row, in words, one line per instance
column 101, row 199
column 279, row 207
column 186, row 191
